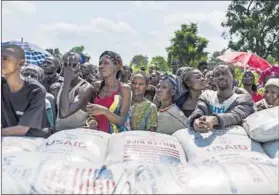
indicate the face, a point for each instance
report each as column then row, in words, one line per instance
column 164, row 91
column 106, row 67
column 271, row 94
column 30, row 73
column 209, row 80
column 248, row 78
column 49, row 67
column 154, row 79
column 196, row 80
column 10, row 62
column 223, row 78
column 139, row 85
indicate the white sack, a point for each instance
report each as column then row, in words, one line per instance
column 80, row 144
column 12, row 144
column 35, row 173
column 263, row 126
column 218, row 145
column 145, row 147
column 239, row 177
column 272, row 148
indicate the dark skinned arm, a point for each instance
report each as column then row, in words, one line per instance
column 15, row 131
column 67, row 108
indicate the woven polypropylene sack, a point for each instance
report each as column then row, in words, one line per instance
column 218, row 145
column 79, row 144
column 263, row 126
column 18, row 144
column 235, row 177
column 145, row 147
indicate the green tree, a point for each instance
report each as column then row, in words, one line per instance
column 160, row 62
column 253, row 26
column 55, row 53
column 214, row 61
column 187, row 46
column 78, row 49
column 271, row 60
column 139, row 61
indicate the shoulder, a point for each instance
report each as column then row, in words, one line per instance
column 34, row 86
column 87, row 88
column 244, row 98
column 241, row 91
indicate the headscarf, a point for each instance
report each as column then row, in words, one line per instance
column 172, row 81
column 114, row 57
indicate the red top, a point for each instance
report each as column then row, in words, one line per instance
column 257, row 97
column 103, row 123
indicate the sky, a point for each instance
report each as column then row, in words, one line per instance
column 126, row 27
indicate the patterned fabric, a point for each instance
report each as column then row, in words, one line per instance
column 34, row 55
column 144, row 115
column 115, row 108
column 115, row 57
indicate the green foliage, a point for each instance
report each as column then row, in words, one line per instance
column 253, row 26
column 139, row 61
column 271, row 60
column 187, row 46
column 160, row 63
column 78, row 49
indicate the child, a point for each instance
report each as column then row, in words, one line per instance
column 271, row 95
column 144, row 112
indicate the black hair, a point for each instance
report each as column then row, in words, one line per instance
column 20, row 54
column 38, row 69
column 144, row 74
column 117, row 60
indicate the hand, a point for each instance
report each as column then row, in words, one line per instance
column 95, row 109
column 200, row 125
column 210, row 122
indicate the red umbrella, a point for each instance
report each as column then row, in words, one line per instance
column 246, row 60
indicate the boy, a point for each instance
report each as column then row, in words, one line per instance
column 221, row 108
column 22, row 101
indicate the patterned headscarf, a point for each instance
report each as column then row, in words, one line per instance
column 172, row 80
column 114, row 57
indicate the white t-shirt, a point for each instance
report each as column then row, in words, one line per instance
column 214, row 104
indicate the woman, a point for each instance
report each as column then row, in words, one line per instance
column 271, row 95
column 170, row 118
column 144, row 112
column 248, row 82
column 110, row 109
column 194, row 82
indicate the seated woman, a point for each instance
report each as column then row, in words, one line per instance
column 271, row 95
column 221, row 108
column 194, row 83
column 144, row 112
column 248, row 82
column 170, row 117
column 110, row 109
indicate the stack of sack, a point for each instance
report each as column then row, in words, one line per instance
column 263, row 127
column 83, row 161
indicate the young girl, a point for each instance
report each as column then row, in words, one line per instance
column 144, row 112
column 170, row 118
column 111, row 105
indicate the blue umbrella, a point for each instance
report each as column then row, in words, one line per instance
column 34, row 55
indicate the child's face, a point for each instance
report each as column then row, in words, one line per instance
column 139, row 85
column 271, row 95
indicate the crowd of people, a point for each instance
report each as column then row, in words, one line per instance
column 41, row 100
